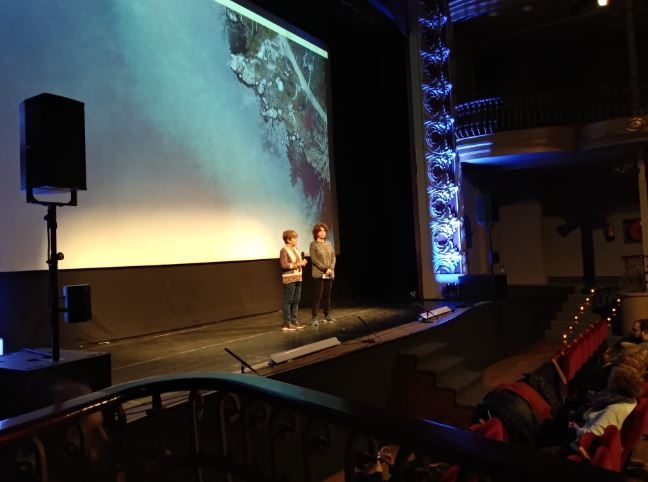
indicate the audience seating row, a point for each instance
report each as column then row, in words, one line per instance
column 612, row 450
column 571, row 358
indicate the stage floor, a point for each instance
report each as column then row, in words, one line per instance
column 253, row 339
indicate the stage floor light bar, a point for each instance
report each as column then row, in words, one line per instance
column 303, row 350
column 427, row 315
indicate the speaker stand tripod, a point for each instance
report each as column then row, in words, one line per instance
column 53, row 257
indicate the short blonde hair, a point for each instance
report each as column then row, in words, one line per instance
column 289, row 234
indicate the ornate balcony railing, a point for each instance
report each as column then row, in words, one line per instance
column 221, row 427
column 496, row 114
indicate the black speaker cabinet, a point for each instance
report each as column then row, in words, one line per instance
column 52, row 144
column 29, row 378
column 483, row 287
column 78, row 304
column 487, row 209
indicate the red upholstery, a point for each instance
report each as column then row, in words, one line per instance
column 644, row 392
column 604, row 451
column 588, row 440
column 491, row 428
column 570, row 362
column 539, row 405
column 575, row 458
column 451, row 475
column 604, row 458
column 611, row 441
column 589, row 345
column 633, row 428
column 573, row 357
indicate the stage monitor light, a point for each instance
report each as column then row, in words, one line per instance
column 304, row 350
column 429, row 315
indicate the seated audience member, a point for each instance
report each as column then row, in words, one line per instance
column 610, row 406
column 593, row 377
column 639, row 333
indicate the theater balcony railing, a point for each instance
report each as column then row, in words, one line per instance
column 226, row 427
column 489, row 116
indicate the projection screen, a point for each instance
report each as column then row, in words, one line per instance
column 206, row 128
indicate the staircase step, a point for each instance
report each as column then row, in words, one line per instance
column 426, row 351
column 473, row 396
column 586, row 317
column 458, row 378
column 576, row 298
column 440, row 364
column 564, row 326
column 554, row 335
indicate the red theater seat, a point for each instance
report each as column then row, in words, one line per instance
column 491, row 428
column 633, row 428
column 610, row 440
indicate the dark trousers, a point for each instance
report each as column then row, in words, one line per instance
column 321, row 295
column 291, row 297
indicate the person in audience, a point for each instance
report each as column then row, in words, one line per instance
column 323, row 259
column 593, row 376
column 291, row 262
column 639, row 333
column 610, row 406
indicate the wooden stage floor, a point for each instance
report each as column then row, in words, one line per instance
column 253, row 339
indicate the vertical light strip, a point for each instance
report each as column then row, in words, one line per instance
column 445, row 207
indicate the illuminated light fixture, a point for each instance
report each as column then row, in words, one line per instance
column 284, row 356
column 435, row 312
column 602, row 3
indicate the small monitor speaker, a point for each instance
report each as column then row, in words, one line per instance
column 78, row 304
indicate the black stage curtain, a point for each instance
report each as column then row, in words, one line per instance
column 134, row 301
